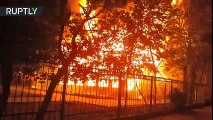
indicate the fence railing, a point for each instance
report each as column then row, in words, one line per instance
column 94, row 99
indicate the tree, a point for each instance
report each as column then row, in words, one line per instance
column 128, row 34
column 69, row 48
column 199, row 21
column 21, row 37
column 143, row 28
column 187, row 50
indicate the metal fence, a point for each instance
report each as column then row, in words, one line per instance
column 94, row 99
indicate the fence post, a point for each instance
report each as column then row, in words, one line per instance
column 171, row 93
column 119, row 98
column 155, row 89
column 151, row 86
column 126, row 93
column 196, row 93
column 63, row 97
column 164, row 94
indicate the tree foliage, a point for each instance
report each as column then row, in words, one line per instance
column 26, row 40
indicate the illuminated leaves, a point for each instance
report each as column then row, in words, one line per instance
column 121, row 40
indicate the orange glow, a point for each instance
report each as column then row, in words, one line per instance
column 61, row 83
column 70, row 82
column 114, row 84
column 131, row 85
column 89, row 25
column 174, row 2
column 91, row 83
column 80, row 83
column 103, row 83
column 83, row 4
column 117, row 47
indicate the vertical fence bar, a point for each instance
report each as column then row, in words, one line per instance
column 195, row 93
column 119, row 98
column 151, row 86
column 126, row 93
column 63, row 97
column 171, row 93
column 155, row 89
column 164, row 94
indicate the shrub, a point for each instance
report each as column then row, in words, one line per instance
column 178, row 98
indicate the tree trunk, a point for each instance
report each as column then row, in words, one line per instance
column 155, row 72
column 56, row 79
column 64, row 94
column 129, row 60
column 49, row 93
column 6, row 80
column 185, row 79
column 202, row 72
column 192, row 87
column 6, row 63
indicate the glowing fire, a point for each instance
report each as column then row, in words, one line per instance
column 176, row 2
column 117, row 47
column 91, row 83
column 89, row 25
column 103, row 83
column 114, row 84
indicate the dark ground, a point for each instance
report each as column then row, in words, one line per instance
column 194, row 114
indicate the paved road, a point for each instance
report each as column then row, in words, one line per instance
column 196, row 114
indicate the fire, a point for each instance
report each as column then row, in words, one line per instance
column 79, row 83
column 114, row 84
column 89, row 25
column 103, row 83
column 176, row 2
column 83, row 3
column 118, row 47
column 131, row 85
column 70, row 82
column 91, row 83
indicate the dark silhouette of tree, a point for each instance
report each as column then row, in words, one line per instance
column 126, row 33
column 190, row 51
column 72, row 47
column 25, row 40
